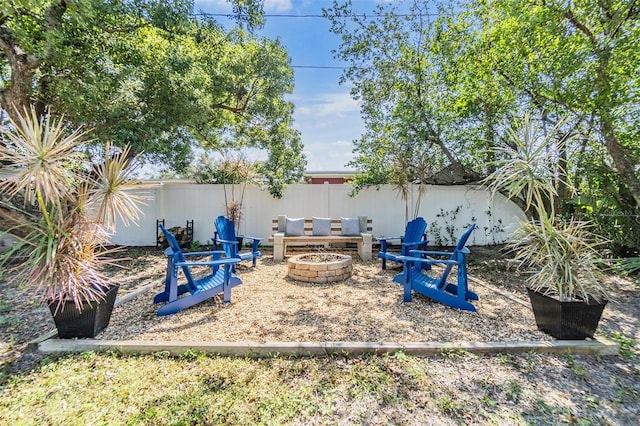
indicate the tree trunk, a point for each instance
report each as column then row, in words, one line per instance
column 16, row 96
column 620, row 159
column 603, row 52
column 10, row 221
column 617, row 152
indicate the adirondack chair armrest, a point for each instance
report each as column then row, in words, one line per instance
column 251, row 238
column 430, row 253
column 414, row 243
column 410, row 259
column 388, row 238
column 226, row 261
column 254, row 245
column 383, row 242
column 169, row 252
column 216, row 239
column 227, row 241
column 465, row 250
column 203, row 253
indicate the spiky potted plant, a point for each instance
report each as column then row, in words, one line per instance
column 567, row 287
column 234, row 171
column 65, row 208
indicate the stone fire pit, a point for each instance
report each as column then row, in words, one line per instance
column 319, row 267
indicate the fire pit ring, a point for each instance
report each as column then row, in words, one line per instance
column 320, row 267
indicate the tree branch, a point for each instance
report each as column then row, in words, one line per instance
column 235, row 110
column 568, row 14
column 632, row 12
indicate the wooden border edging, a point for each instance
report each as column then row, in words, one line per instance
column 499, row 291
column 598, row 346
column 134, row 294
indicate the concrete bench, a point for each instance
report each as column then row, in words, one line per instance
column 280, row 239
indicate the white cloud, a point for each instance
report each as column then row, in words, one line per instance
column 328, row 155
column 328, row 122
column 326, row 105
column 223, row 6
column 219, row 6
column 277, row 5
column 343, row 144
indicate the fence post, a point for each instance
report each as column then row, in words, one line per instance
column 327, row 197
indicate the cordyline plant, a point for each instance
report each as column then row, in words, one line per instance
column 564, row 253
column 69, row 210
column 229, row 170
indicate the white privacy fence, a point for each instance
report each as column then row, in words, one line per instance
column 448, row 210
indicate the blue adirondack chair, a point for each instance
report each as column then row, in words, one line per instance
column 225, row 235
column 220, row 279
column 414, row 238
column 414, row 278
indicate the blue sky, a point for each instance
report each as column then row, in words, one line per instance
column 325, row 114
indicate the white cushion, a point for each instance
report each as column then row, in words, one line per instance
column 350, row 225
column 295, row 227
column 321, row 225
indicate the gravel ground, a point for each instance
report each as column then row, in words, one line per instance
column 270, row 307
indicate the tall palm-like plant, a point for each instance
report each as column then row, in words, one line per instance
column 234, row 172
column 240, row 171
column 69, row 210
column 562, row 252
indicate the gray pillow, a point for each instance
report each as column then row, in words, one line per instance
column 350, row 225
column 321, row 226
column 282, row 223
column 363, row 224
column 295, row 227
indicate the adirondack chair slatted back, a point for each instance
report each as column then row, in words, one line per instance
column 462, row 242
column 457, row 254
column 177, row 254
column 414, row 238
column 226, row 231
column 414, row 232
column 231, row 243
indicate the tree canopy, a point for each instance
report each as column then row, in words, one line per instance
column 152, row 75
column 577, row 59
column 441, row 85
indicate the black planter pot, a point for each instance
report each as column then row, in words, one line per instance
column 93, row 318
column 574, row 320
